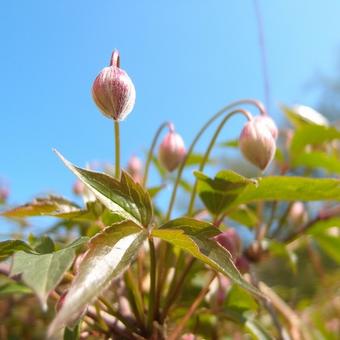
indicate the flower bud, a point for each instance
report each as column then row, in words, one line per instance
column 4, row 193
column 78, row 188
column 171, row 151
column 135, row 168
column 328, row 212
column 231, row 241
column 113, row 91
column 269, row 122
column 257, row 143
column 242, row 264
column 297, row 213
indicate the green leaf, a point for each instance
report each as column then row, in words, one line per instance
column 43, row 245
column 194, row 237
column 154, row 191
column 281, row 249
column 9, row 247
column 196, row 159
column 48, row 206
column 218, row 193
column 330, row 245
column 318, row 160
column 43, row 272
column 321, row 225
column 244, row 215
column 312, row 135
column 230, row 143
column 72, row 334
column 125, row 197
column 10, row 288
column 239, row 299
column 109, row 254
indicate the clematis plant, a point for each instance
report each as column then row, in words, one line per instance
column 125, row 268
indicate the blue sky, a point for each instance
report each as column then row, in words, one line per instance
column 186, row 58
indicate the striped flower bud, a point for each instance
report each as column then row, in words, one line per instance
column 257, row 143
column 172, row 150
column 269, row 122
column 113, row 91
column 135, row 168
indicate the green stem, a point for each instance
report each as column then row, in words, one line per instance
column 208, row 151
column 152, row 293
column 256, row 103
column 117, row 149
column 151, row 150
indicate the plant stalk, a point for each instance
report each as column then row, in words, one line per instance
column 117, row 149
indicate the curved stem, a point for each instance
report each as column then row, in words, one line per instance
column 151, row 150
column 152, row 292
column 208, row 151
column 117, row 150
column 254, row 102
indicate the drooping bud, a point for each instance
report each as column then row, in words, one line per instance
column 135, row 168
column 297, row 213
column 231, row 241
column 4, row 193
column 269, row 122
column 78, row 188
column 257, row 143
column 113, row 90
column 171, row 150
column 242, row 264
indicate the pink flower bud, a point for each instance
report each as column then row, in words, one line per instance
column 328, row 212
column 188, row 336
column 135, row 168
column 113, row 91
column 231, row 241
column 242, row 264
column 78, row 188
column 297, row 213
column 4, row 193
column 171, row 151
column 257, row 143
column 269, row 122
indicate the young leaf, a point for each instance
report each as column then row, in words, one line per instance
column 318, row 160
column 110, row 252
column 43, row 272
column 218, row 193
column 10, row 288
column 194, row 237
column 312, row 135
column 125, row 197
column 50, row 205
column 8, row 248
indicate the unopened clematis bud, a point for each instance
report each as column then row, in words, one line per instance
column 113, row 90
column 269, row 122
column 257, row 143
column 297, row 213
column 242, row 264
column 4, row 193
column 135, row 168
column 172, row 150
column 78, row 188
column 231, row 241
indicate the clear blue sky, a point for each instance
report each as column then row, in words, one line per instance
column 187, row 59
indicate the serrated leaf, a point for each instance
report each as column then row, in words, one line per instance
column 321, row 225
column 10, row 288
column 9, row 247
column 312, row 135
column 43, row 272
column 110, row 252
column 124, row 197
column 194, row 237
column 244, row 215
column 50, row 205
column 218, row 193
column 238, row 298
column 154, row 191
column 196, row 159
column 330, row 245
column 318, row 160
column 285, row 188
